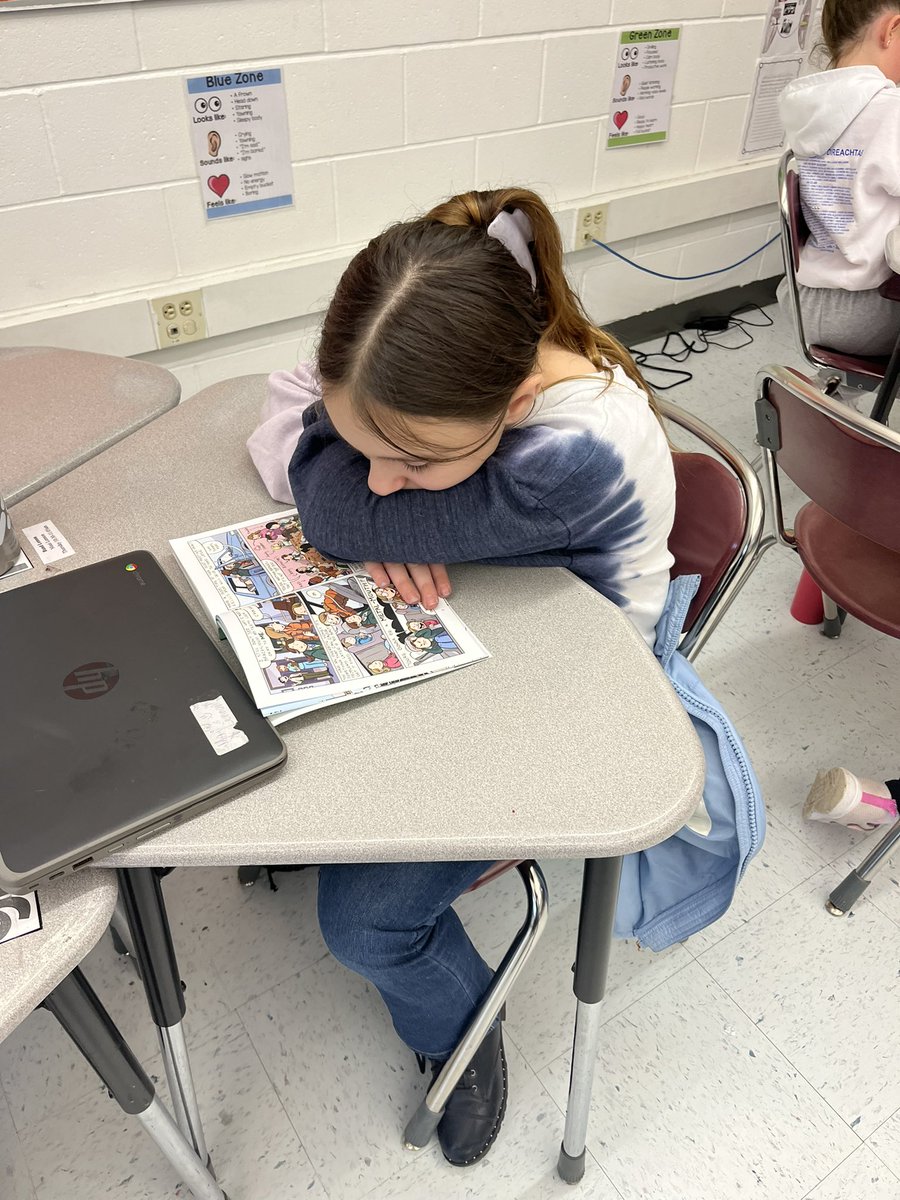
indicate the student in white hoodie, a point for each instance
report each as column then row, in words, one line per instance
column 844, row 127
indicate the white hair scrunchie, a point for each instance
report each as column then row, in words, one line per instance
column 513, row 230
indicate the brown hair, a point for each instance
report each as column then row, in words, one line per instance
column 844, row 23
column 436, row 319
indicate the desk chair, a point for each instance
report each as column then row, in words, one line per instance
column 833, row 367
column 848, row 535
column 718, row 529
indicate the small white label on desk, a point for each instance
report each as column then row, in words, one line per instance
column 219, row 724
column 48, row 542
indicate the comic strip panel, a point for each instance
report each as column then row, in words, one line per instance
column 235, row 573
column 290, row 560
column 420, row 634
column 286, row 646
column 345, row 618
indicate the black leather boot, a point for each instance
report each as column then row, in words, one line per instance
column 477, row 1105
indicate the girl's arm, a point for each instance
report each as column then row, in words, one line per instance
column 288, row 395
column 490, row 515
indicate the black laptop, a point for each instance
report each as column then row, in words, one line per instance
column 118, row 716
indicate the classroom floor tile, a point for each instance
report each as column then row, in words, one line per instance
column 756, row 1060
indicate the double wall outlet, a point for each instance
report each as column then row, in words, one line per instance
column 179, row 318
column 590, row 223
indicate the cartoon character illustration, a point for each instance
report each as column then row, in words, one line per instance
column 380, row 666
column 240, row 571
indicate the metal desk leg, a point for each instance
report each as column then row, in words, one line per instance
column 88, row 1024
column 599, row 892
column 142, row 897
column 884, row 401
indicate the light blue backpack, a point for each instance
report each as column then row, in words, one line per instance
column 688, row 881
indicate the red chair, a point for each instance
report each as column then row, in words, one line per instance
column 718, row 530
column 717, row 534
column 866, row 374
column 848, row 535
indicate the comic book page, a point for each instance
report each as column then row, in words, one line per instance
column 309, row 631
column 254, row 561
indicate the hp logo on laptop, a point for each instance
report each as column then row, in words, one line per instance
column 91, row 680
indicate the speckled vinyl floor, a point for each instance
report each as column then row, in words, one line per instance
column 760, row 1059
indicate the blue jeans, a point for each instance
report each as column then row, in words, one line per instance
column 392, row 923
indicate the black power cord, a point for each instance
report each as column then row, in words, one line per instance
column 711, row 331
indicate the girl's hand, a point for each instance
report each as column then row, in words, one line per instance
column 416, row 582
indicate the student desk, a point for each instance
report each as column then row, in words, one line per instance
column 568, row 742
column 43, row 968
column 59, row 408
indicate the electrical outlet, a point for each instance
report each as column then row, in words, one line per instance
column 179, row 318
column 590, row 223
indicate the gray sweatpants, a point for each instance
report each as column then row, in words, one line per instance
column 849, row 322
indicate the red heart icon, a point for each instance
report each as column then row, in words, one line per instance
column 619, row 120
column 218, row 184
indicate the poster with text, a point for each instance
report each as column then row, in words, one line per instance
column 641, row 103
column 792, row 29
column 239, row 131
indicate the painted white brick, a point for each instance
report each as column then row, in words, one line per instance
column 119, row 134
column 205, row 247
column 720, row 145
column 613, row 290
column 345, row 105
column 717, row 59
column 375, row 190
column 645, row 12
column 499, row 17
column 238, row 304
column 759, row 218
column 472, row 89
column 557, row 162
column 682, row 235
column 630, row 166
column 711, row 255
column 578, row 74
column 121, row 327
column 217, row 31
column 78, row 247
column 28, row 172
column 746, row 8
column 360, row 24
column 66, row 43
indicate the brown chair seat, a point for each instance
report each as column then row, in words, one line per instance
column 858, row 574
column 849, row 364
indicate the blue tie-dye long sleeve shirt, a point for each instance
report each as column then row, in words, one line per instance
column 585, row 483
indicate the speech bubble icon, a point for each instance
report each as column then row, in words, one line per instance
column 214, row 548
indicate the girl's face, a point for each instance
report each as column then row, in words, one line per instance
column 447, row 461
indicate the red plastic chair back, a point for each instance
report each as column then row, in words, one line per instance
column 848, row 474
column 710, row 519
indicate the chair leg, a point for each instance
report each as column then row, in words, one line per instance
column 599, row 893
column 833, row 622
column 849, row 890
column 427, row 1116
column 76, row 1007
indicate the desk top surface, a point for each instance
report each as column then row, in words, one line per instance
column 58, row 408
column 75, row 912
column 568, row 742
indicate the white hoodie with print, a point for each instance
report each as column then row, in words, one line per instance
column 844, row 128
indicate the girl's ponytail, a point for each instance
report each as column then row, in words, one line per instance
column 567, row 324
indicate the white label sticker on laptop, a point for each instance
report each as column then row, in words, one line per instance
column 219, row 724
column 48, row 542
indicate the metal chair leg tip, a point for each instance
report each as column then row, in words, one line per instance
column 834, row 910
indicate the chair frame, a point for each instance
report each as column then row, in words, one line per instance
column 851, row 888
column 885, row 386
column 753, row 543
